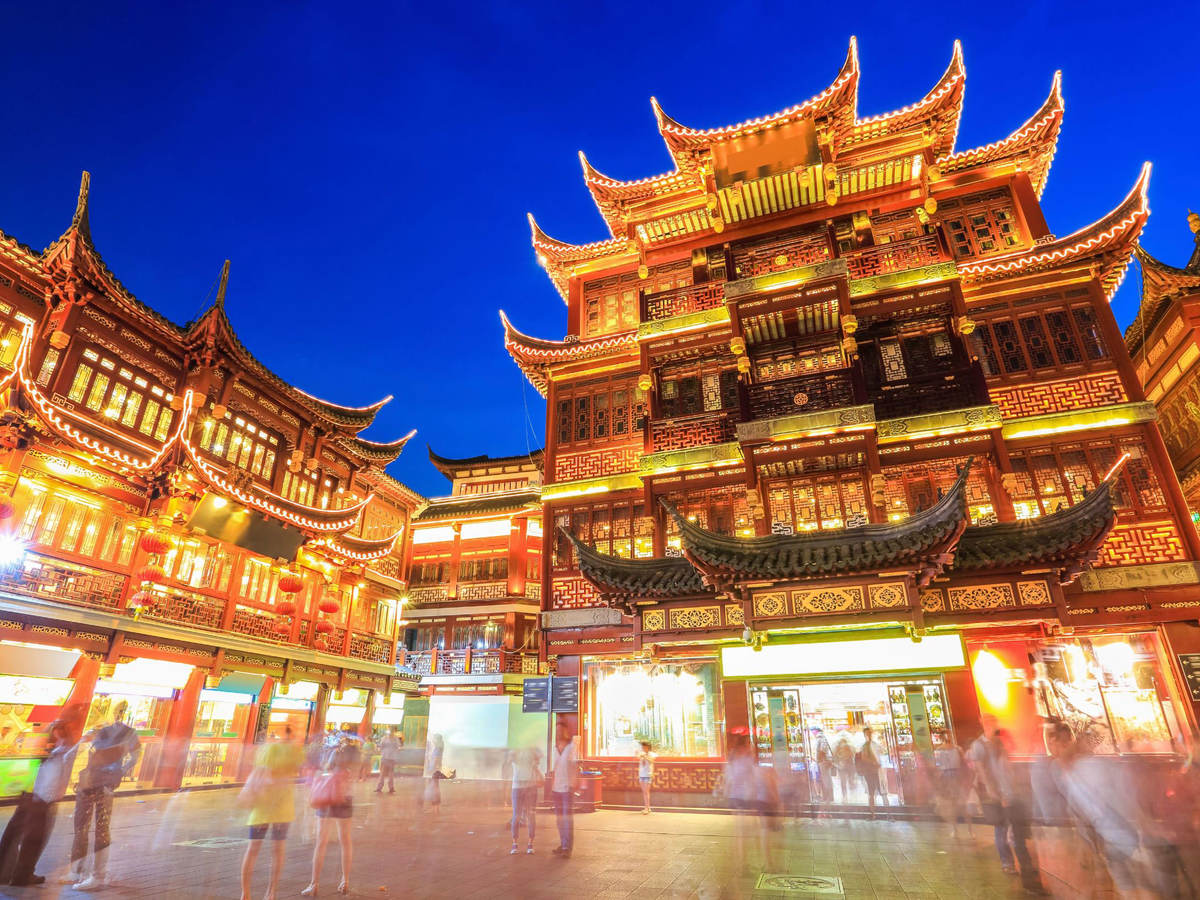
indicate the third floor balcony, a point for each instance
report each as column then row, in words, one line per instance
column 896, row 256
column 681, row 301
column 832, row 389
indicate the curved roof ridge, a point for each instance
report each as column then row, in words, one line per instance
column 948, row 90
column 651, row 577
column 1159, row 282
column 1038, row 134
column 446, row 464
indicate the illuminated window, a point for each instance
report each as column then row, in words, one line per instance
column 599, row 411
column 300, row 487
column 916, row 487
column 1055, row 477
column 616, row 529
column 493, row 568
column 241, row 443
column 686, row 390
column 675, row 706
column 120, row 395
column 1054, row 338
column 981, row 224
column 722, row 510
column 818, row 502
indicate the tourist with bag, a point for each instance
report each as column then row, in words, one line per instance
column 269, row 796
column 331, row 799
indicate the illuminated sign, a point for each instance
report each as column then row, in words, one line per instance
column 154, row 672
column 24, row 691
column 212, row 695
column 299, row 690
column 935, row 651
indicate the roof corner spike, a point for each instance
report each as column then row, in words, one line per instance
column 222, row 285
column 79, row 221
column 851, row 63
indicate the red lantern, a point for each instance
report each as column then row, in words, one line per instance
column 141, row 600
column 152, row 572
column 329, row 605
column 155, row 543
column 322, row 627
column 320, row 643
column 290, row 583
column 283, row 629
column 6, row 508
column 286, row 608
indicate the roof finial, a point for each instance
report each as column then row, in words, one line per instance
column 222, row 285
column 1194, row 222
column 79, row 221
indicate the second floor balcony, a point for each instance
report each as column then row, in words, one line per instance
column 930, row 392
column 697, row 430
column 802, row 394
column 682, row 300
column 897, row 256
column 490, row 661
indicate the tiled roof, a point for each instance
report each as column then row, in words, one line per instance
column 658, row 578
column 470, row 504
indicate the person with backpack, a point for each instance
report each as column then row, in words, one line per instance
column 331, row 798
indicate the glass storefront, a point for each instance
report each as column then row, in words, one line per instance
column 219, row 737
column 292, row 708
column 674, row 705
column 1109, row 688
column 346, row 710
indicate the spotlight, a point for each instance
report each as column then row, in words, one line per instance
column 12, row 551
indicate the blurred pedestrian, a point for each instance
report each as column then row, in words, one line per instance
column 29, row 828
column 270, row 796
column 952, row 780
column 526, row 775
column 332, row 799
column 843, row 761
column 646, row 757
column 868, row 764
column 389, row 755
column 1005, row 804
column 115, row 750
column 435, row 750
column 562, row 788
column 825, row 765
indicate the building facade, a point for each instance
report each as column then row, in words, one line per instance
column 1164, row 344
column 842, row 436
column 472, row 634
column 187, row 540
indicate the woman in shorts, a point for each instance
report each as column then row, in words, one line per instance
column 345, row 759
column 272, row 807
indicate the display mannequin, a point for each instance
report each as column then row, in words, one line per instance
column 115, row 750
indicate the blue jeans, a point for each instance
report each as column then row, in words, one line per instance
column 524, row 806
column 564, row 811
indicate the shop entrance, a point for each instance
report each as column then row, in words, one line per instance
column 818, row 731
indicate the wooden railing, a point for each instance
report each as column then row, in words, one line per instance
column 696, row 430
column 42, row 576
column 492, row 661
column 895, row 257
column 801, row 394
column 802, row 250
column 933, row 392
column 682, row 300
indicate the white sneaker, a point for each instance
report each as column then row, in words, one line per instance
column 93, row 883
column 513, row 850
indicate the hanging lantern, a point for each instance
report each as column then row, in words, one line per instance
column 152, row 572
column 329, row 605
column 286, row 608
column 320, row 643
column 142, row 600
column 155, row 543
column 6, row 508
column 290, row 582
column 283, row 629
column 322, row 627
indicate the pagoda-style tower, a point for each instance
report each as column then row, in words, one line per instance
column 1164, row 343
column 831, row 387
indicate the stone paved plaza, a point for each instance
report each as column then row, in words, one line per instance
column 189, row 846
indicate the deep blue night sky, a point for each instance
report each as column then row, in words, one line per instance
column 367, row 167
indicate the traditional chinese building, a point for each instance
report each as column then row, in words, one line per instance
column 842, row 436
column 1164, row 343
column 183, row 531
column 472, row 634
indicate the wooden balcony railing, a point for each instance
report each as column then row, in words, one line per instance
column 682, row 300
column 895, row 257
column 191, row 608
column 493, row 661
column 777, row 256
column 53, row 579
column 369, row 647
column 696, row 430
column 802, row 393
column 933, row 392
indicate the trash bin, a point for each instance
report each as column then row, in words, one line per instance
column 591, row 791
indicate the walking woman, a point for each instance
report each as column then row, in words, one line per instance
column 269, row 793
column 334, row 805
column 646, row 757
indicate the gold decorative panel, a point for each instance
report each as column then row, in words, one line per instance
column 654, row 620
column 1034, row 593
column 696, row 617
column 827, row 600
column 734, row 614
column 933, row 600
column 985, row 596
column 888, row 595
column 772, row 604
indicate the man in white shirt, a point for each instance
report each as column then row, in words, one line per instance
column 29, row 828
column 562, row 788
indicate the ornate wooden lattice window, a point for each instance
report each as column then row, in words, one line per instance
column 918, row 486
column 300, row 487
column 723, row 510
column 1060, row 475
column 430, row 572
column 611, row 304
column 980, row 224
column 77, row 525
column 819, row 502
column 242, row 443
column 120, row 395
column 617, row 529
column 693, row 388
column 1058, row 335
column 777, row 252
column 599, row 412
column 483, row 568
column 788, row 359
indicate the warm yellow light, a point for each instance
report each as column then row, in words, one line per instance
column 991, row 678
column 219, row 502
column 935, row 651
column 153, row 672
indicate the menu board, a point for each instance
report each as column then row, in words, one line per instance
column 1190, row 663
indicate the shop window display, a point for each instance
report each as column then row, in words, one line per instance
column 672, row 705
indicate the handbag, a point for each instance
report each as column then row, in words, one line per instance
column 328, row 789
